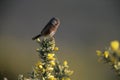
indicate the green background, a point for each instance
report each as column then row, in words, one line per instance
column 86, row 25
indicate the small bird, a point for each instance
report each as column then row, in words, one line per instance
column 50, row 29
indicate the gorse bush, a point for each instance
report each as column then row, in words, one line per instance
column 111, row 55
column 48, row 68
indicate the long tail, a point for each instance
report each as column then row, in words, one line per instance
column 36, row 37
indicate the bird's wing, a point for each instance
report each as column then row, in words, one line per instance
column 46, row 28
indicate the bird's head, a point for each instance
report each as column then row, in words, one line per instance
column 55, row 21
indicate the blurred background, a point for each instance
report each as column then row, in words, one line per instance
column 86, row 25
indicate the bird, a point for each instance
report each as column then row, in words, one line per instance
column 50, row 29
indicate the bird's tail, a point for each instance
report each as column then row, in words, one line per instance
column 36, row 37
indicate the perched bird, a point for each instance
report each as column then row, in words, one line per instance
column 50, row 29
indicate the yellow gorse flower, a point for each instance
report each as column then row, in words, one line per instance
column 66, row 78
column 56, row 49
column 50, row 56
column 40, row 66
column 52, row 63
column 51, row 78
column 117, row 66
column 37, row 49
column 114, row 45
column 49, row 69
column 38, row 63
column 106, row 54
column 65, row 64
column 99, row 53
column 38, row 40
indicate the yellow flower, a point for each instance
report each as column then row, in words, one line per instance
column 68, row 72
column 38, row 40
column 37, row 49
column 56, row 49
column 117, row 66
column 52, row 46
column 99, row 53
column 52, row 63
column 49, row 69
column 40, row 66
column 38, row 63
column 65, row 64
column 106, row 54
column 50, row 56
column 66, row 78
column 51, row 77
column 114, row 45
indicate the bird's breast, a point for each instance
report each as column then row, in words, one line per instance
column 52, row 33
